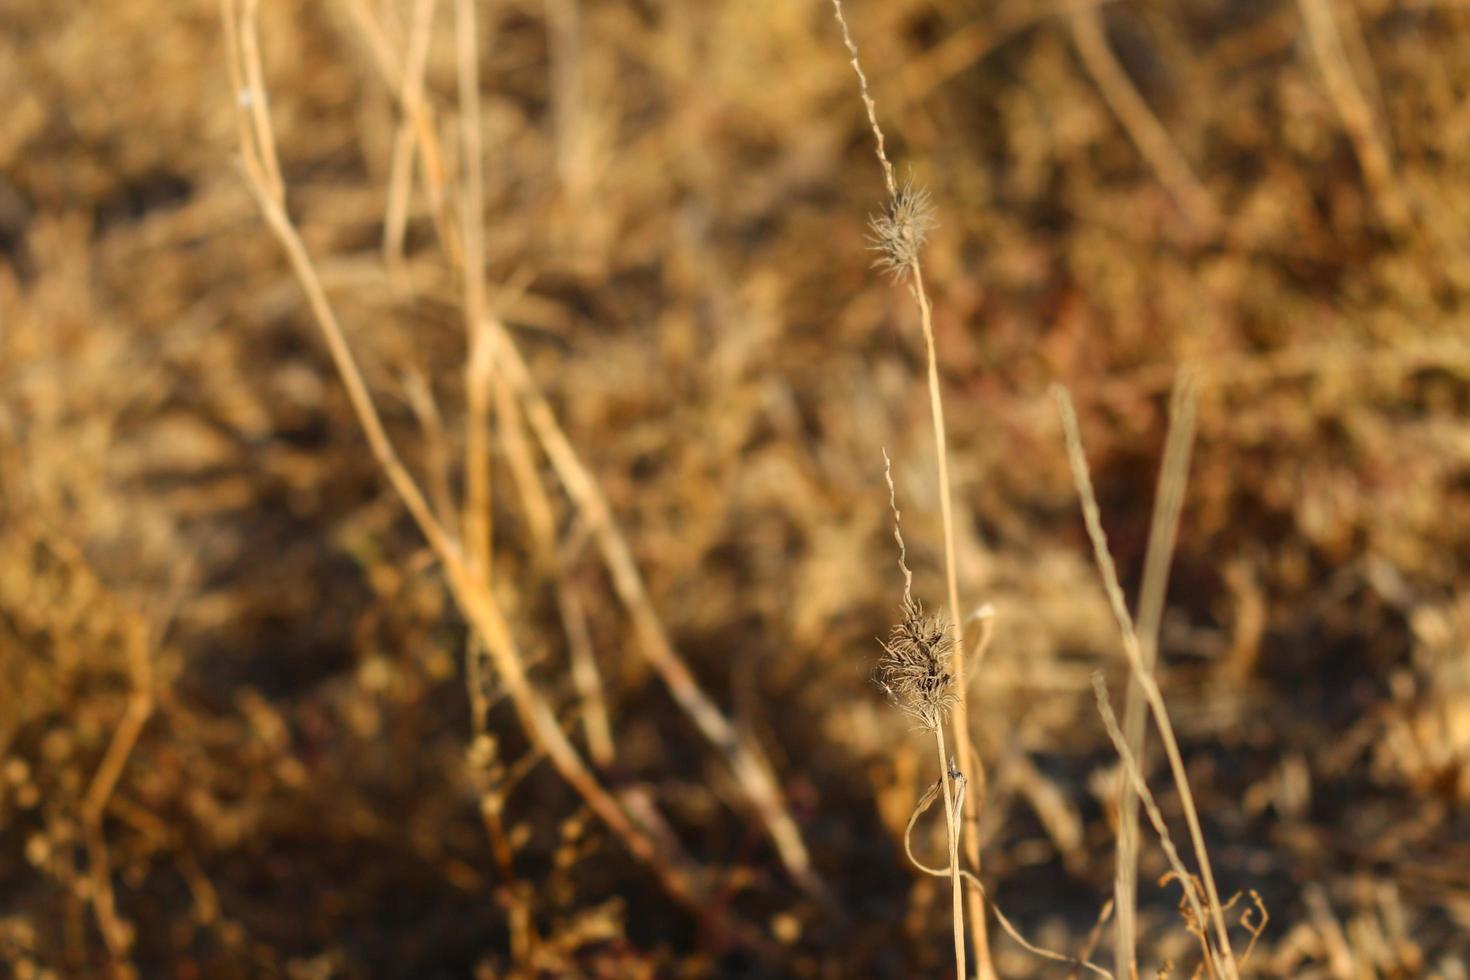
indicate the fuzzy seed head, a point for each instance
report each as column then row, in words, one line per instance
column 914, row 668
column 898, row 233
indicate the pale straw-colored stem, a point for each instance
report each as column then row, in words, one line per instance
column 470, row 590
column 479, row 366
column 744, row 757
column 1356, row 115
column 1092, row 518
column 952, row 834
column 410, row 97
column 974, row 882
column 960, row 716
column 751, row 769
column 960, row 713
column 1134, row 776
column 1168, row 501
column 1139, row 121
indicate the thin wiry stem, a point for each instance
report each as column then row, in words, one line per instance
column 960, row 715
column 913, row 205
column 410, row 96
column 1091, row 517
column 740, row 751
column 1356, row 115
column 751, row 769
column 914, row 671
column 1136, row 782
column 479, row 366
column 974, row 882
column 1142, row 126
column 1168, row 501
column 683, row 883
column 952, row 832
column 868, row 102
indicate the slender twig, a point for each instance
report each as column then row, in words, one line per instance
column 259, row 101
column 915, row 671
column 744, row 757
column 1353, row 110
column 419, row 114
column 115, row 932
column 586, row 678
column 420, row 397
column 952, row 833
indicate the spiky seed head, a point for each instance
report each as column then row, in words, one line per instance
column 914, row 668
column 899, row 232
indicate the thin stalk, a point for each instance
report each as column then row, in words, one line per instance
column 960, row 712
column 952, row 832
column 1168, row 501
column 750, row 767
column 683, row 882
column 741, row 752
column 910, row 241
column 1109, row 574
column 479, row 366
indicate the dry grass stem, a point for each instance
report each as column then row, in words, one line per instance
column 900, row 234
column 1104, row 559
column 1356, row 115
column 1134, row 775
column 914, row 673
column 338, row 566
column 419, row 119
column 410, row 97
column 585, row 676
column 479, row 366
column 116, row 933
column 1168, row 502
column 868, row 104
column 752, row 771
column 684, row 884
column 1081, row 963
column 438, row 457
column 1148, row 134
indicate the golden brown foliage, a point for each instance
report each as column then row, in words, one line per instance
column 234, row 732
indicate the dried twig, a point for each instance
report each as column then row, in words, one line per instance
column 751, row 769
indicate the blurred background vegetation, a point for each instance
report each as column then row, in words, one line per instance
column 197, row 548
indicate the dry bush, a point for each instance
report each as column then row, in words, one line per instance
column 234, row 732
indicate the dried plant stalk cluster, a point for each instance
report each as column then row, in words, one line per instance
column 233, row 676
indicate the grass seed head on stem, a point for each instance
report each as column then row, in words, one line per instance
column 899, row 232
column 914, row 668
